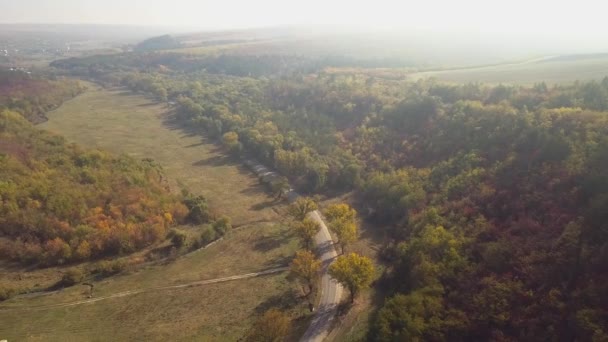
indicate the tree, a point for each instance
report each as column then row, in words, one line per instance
column 199, row 210
column 306, row 231
column 353, row 271
column 306, row 267
column 340, row 211
column 272, row 326
column 279, row 187
column 342, row 221
column 346, row 231
column 231, row 141
column 412, row 317
column 222, row 225
column 301, row 207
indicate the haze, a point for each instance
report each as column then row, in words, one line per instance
column 581, row 18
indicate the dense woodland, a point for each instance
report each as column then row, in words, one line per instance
column 494, row 199
column 34, row 96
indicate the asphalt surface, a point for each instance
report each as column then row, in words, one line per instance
column 330, row 290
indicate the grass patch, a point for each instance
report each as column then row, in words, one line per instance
column 121, row 122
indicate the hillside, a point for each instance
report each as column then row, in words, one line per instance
column 34, row 96
column 62, row 204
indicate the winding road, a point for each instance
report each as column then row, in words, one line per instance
column 330, row 290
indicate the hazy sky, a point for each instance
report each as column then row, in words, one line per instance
column 574, row 17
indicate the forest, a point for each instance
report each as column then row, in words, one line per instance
column 33, row 96
column 493, row 199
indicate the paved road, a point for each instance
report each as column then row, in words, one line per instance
column 132, row 292
column 330, row 291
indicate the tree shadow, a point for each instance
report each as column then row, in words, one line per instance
column 195, row 145
column 268, row 243
column 283, row 301
column 218, row 160
column 253, row 190
column 281, row 261
column 264, row 205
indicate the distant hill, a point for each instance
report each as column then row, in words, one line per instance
column 158, row 43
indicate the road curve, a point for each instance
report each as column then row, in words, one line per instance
column 330, row 291
column 133, row 292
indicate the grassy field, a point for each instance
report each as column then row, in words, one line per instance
column 121, row 122
column 210, row 312
column 550, row 70
column 126, row 123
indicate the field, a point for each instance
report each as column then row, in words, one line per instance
column 552, row 70
column 121, row 122
column 127, row 123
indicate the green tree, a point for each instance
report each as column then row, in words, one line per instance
column 346, row 231
column 306, row 231
column 301, row 207
column 279, row 187
column 222, row 225
column 178, row 238
column 272, row 326
column 412, row 317
column 353, row 271
column 306, row 267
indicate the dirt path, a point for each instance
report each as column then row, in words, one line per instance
column 133, row 292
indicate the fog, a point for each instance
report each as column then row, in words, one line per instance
column 509, row 29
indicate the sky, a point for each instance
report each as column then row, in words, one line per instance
column 550, row 17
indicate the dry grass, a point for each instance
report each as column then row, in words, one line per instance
column 124, row 123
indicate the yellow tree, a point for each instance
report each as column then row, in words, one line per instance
column 346, row 231
column 306, row 267
column 342, row 221
column 306, row 231
column 340, row 211
column 353, row 271
column 231, row 141
column 272, row 326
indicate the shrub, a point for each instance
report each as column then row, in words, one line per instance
column 6, row 293
column 222, row 225
column 107, row 268
column 208, row 235
column 72, row 277
column 178, row 238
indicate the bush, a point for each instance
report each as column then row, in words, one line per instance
column 222, row 225
column 6, row 293
column 72, row 277
column 208, row 235
column 178, row 238
column 107, row 268
column 199, row 210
